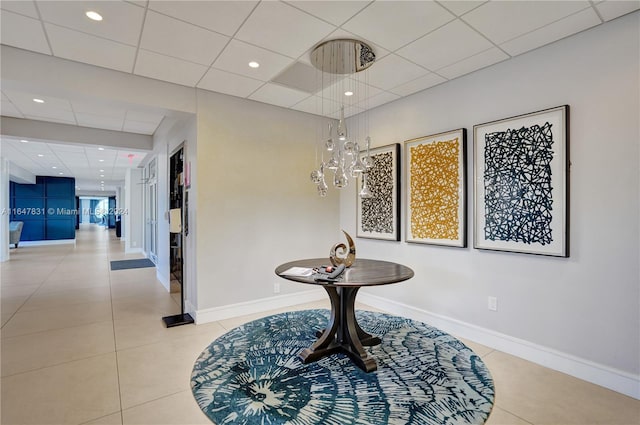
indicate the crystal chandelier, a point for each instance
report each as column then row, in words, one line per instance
column 342, row 66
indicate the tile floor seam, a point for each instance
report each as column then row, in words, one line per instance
column 156, row 399
column 21, row 305
column 100, row 417
column 52, row 329
column 58, row 364
column 115, row 345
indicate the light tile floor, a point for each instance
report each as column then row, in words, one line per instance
column 82, row 344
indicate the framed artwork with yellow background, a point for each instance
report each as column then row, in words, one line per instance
column 436, row 189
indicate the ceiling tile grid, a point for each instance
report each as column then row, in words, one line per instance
column 208, row 44
column 178, row 39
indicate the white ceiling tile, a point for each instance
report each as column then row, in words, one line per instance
column 8, row 109
column 161, row 67
column 392, row 24
column 460, row 7
column 227, row 83
column 237, row 55
column 121, row 22
column 149, row 117
column 56, row 147
column 62, row 117
column 381, row 99
column 359, row 88
column 503, row 20
column 77, row 46
column 418, row 84
column 22, row 7
column 172, row 37
column 221, row 16
column 291, row 32
column 335, row 12
column 481, row 60
column 392, row 70
column 552, row 32
column 24, row 102
column 316, row 105
column 99, row 121
column 25, row 33
column 98, row 109
column 349, row 111
column 278, row 95
column 29, row 148
column 73, row 159
column 95, row 152
column 446, row 45
column 612, row 9
column 139, row 127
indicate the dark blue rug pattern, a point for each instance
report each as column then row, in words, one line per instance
column 137, row 263
column 252, row 375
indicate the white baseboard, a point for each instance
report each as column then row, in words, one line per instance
column 49, row 242
column 163, row 279
column 613, row 379
column 256, row 306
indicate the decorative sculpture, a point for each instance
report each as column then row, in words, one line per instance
column 346, row 257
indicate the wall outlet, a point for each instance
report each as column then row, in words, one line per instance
column 492, row 303
column 276, row 288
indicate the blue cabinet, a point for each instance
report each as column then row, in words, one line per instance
column 47, row 208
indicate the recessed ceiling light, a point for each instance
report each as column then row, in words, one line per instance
column 94, row 16
column 100, row 149
column 54, row 167
column 60, row 173
column 101, row 175
column 38, row 100
column 102, row 171
column 254, row 64
column 348, row 93
column 101, row 160
column 24, row 141
column 102, row 181
column 40, row 155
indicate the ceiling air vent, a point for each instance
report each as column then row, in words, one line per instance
column 300, row 76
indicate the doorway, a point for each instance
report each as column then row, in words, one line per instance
column 177, row 232
column 151, row 238
column 94, row 210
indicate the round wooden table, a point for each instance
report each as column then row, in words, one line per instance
column 343, row 334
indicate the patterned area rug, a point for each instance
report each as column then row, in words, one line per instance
column 252, row 375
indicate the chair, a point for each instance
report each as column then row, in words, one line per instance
column 15, row 230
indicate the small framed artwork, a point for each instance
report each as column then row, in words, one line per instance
column 436, row 189
column 521, row 183
column 378, row 195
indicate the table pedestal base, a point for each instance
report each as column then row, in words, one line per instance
column 343, row 334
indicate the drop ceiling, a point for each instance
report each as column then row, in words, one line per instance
column 208, row 45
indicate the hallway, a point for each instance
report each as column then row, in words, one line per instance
column 85, row 345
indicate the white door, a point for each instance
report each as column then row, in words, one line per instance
column 152, row 216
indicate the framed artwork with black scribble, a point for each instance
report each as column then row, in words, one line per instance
column 521, row 201
column 436, row 189
column 378, row 195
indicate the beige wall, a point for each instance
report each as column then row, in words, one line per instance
column 256, row 206
column 588, row 305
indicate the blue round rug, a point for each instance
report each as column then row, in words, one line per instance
column 252, row 375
